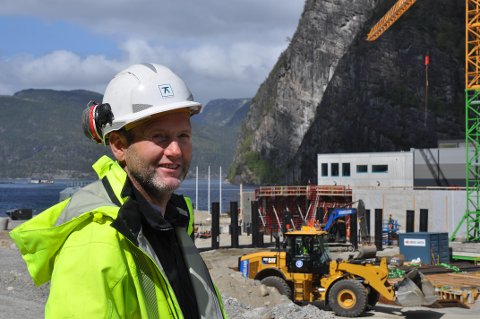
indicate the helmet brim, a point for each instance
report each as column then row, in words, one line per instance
column 131, row 119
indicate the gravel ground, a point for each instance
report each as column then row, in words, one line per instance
column 248, row 299
column 19, row 298
column 243, row 298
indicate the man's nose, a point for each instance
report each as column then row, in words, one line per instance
column 173, row 148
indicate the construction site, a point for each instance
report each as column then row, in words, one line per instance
column 379, row 234
column 424, row 202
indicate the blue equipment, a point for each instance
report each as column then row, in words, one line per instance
column 337, row 213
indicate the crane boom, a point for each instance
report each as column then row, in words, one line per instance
column 389, row 18
column 472, row 45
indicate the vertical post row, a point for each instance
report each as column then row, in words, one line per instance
column 234, row 224
column 254, row 223
column 353, row 230
column 378, row 229
column 423, row 220
column 410, row 221
column 215, row 225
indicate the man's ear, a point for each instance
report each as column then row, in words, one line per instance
column 118, row 145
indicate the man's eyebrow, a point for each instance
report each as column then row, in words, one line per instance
column 189, row 131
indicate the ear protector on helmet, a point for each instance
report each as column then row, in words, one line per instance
column 94, row 118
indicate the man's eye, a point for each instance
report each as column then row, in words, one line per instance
column 158, row 138
column 185, row 136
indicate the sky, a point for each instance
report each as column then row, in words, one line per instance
column 221, row 48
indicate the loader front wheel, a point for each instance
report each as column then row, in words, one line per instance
column 348, row 298
column 277, row 282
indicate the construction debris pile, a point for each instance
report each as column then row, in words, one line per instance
column 248, row 299
column 235, row 309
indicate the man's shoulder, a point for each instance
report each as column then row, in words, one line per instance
column 99, row 226
column 89, row 198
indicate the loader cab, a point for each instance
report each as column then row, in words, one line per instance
column 306, row 253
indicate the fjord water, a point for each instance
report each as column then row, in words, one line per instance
column 22, row 194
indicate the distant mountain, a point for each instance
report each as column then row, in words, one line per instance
column 224, row 112
column 41, row 135
column 216, row 132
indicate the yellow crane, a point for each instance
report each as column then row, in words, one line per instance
column 389, row 18
column 472, row 45
column 471, row 218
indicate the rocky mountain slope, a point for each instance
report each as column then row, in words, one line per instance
column 332, row 91
column 41, row 134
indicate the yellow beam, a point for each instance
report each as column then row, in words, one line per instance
column 472, row 44
column 389, row 18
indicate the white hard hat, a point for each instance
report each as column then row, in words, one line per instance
column 143, row 90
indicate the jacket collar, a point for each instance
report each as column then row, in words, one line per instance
column 136, row 212
column 107, row 168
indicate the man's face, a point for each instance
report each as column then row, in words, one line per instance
column 159, row 157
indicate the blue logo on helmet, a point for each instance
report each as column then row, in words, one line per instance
column 166, row 90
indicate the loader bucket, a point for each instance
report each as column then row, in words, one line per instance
column 415, row 290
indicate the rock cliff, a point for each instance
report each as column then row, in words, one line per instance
column 332, row 91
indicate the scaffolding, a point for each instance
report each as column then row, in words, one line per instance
column 471, row 218
column 295, row 206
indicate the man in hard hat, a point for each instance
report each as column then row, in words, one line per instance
column 121, row 247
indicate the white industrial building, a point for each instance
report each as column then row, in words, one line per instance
column 390, row 169
column 420, row 181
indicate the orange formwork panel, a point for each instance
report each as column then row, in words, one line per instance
column 310, row 191
column 297, row 205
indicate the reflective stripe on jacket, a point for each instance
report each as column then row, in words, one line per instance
column 95, row 270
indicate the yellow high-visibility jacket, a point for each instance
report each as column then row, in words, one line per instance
column 94, row 270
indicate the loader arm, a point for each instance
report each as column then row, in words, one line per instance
column 373, row 275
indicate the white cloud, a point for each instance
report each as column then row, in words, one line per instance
column 57, row 70
column 221, row 48
column 241, row 61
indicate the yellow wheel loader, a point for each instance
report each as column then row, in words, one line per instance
column 304, row 271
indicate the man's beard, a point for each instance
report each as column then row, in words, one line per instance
column 155, row 187
column 151, row 181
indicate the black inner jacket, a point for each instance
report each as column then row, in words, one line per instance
column 135, row 214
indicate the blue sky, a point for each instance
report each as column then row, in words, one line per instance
column 222, row 49
column 37, row 37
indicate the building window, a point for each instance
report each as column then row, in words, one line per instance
column 362, row 169
column 334, row 169
column 379, row 168
column 345, row 169
column 324, row 169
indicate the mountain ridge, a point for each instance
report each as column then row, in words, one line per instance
column 41, row 134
